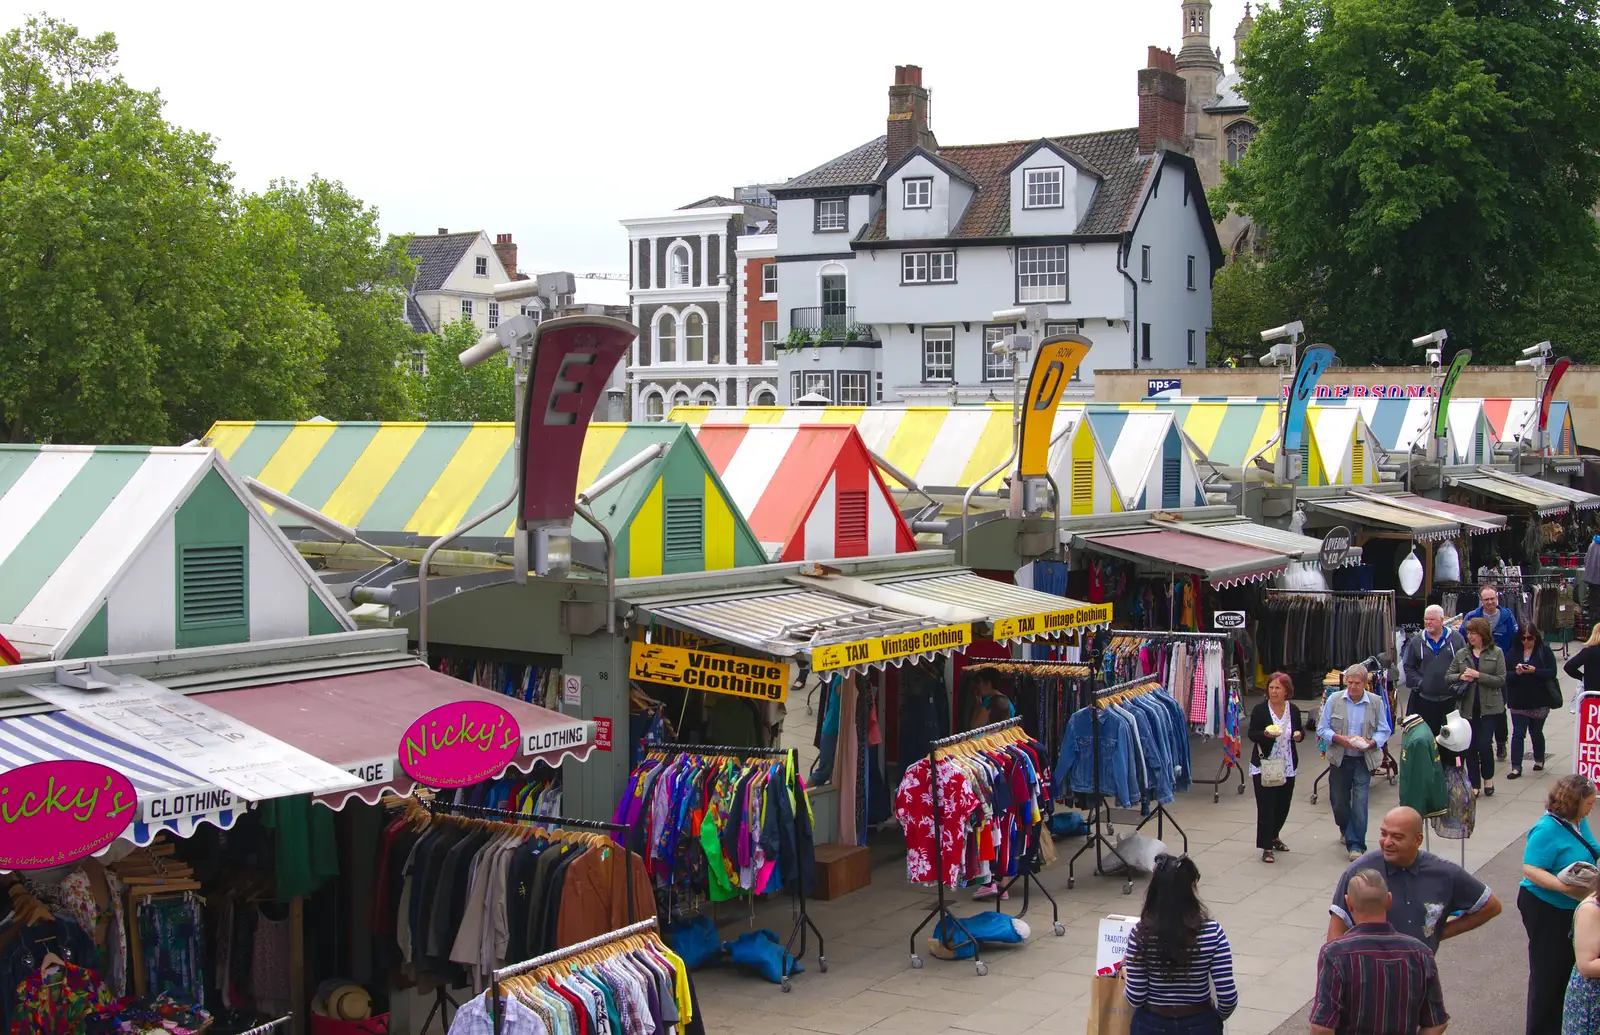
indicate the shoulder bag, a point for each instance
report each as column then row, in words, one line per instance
column 1274, row 772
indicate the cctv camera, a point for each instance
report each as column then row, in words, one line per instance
column 1541, row 349
column 1291, row 329
column 1534, row 362
column 1436, row 356
column 1267, row 360
column 516, row 289
column 487, row 346
column 1438, row 337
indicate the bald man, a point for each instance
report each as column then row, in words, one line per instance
column 1375, row 980
column 1427, row 891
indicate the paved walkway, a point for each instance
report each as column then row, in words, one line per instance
column 1275, row 916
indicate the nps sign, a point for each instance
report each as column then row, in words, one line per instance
column 718, row 673
column 52, row 813
column 455, row 745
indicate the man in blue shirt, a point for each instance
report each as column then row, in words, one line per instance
column 1354, row 725
column 1503, row 627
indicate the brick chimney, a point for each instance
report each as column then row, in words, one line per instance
column 908, row 114
column 443, row 230
column 1162, row 94
column 507, row 250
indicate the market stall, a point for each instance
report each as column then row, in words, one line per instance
column 1152, row 465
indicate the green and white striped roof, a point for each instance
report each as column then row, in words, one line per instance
column 77, row 522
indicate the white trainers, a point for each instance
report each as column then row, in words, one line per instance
column 989, row 891
column 1353, row 855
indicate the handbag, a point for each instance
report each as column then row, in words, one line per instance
column 1274, row 772
column 1552, row 689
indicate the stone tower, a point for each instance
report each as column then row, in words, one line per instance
column 1197, row 63
column 1245, row 25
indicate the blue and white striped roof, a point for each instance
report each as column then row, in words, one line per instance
column 58, row 736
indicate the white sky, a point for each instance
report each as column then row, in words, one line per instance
column 533, row 119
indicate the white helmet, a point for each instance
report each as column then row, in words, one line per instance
column 1457, row 733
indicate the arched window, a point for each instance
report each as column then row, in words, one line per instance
column 707, row 397
column 694, row 338
column 680, row 398
column 667, row 338
column 1239, row 136
column 764, row 397
column 654, row 406
column 678, row 263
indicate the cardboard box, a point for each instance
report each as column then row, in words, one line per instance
column 841, row 869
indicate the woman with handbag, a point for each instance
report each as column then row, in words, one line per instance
column 1178, row 965
column 1478, row 675
column 1560, row 838
column 1531, row 691
column 1275, row 728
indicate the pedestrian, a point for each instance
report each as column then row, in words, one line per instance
column 1426, row 661
column 1560, row 838
column 1479, row 674
column 1374, row 980
column 1176, row 956
column 1530, row 672
column 1427, row 890
column 1585, row 664
column 1582, row 1014
column 1276, row 727
column 1355, row 725
column 1503, row 627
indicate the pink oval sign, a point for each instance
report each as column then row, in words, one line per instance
column 459, row 744
column 53, row 813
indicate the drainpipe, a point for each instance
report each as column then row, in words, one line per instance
column 1133, row 329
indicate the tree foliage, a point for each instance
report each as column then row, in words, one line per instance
column 141, row 296
column 1425, row 163
column 445, row 391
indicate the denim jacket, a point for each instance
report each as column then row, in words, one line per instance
column 1154, row 729
column 1075, row 765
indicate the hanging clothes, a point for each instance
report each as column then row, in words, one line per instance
column 1143, row 747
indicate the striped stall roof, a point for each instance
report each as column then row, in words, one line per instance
column 58, row 736
column 811, row 490
column 945, row 447
column 1149, row 461
column 407, row 484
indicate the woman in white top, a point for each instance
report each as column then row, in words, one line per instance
column 1276, row 727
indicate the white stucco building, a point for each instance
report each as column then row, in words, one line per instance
column 893, row 257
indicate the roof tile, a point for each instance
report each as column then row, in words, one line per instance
column 860, row 165
column 437, row 256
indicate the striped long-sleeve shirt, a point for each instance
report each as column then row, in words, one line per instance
column 1210, row 966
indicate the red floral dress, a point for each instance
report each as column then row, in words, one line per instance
column 913, row 806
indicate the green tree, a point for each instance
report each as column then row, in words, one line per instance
column 346, row 268
column 444, row 391
column 1424, row 163
column 138, row 302
column 1246, row 298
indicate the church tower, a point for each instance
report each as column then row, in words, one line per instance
column 1198, row 64
column 1245, row 25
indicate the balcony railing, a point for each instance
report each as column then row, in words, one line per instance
column 831, row 324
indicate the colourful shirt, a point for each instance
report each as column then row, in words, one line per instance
column 59, row 1003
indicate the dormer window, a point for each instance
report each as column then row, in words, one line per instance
column 1042, row 188
column 833, row 215
column 480, row 266
column 919, row 192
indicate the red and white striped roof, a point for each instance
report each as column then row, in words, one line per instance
column 810, row 490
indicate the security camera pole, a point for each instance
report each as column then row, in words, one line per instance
column 1537, row 357
column 1434, row 343
column 1017, row 345
column 1282, row 355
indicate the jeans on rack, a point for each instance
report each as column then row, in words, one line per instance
column 1348, row 786
column 1535, row 730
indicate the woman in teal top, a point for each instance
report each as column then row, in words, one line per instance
column 1560, row 838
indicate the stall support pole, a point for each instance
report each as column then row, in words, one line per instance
column 297, row 964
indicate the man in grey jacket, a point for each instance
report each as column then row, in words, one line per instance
column 1425, row 660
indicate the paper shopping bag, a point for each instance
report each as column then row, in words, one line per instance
column 1109, row 1012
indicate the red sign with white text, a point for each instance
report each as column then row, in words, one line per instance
column 52, row 813
column 456, row 745
column 573, row 357
column 1586, row 759
column 602, row 733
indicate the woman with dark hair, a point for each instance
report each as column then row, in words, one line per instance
column 1530, row 669
column 1479, row 674
column 1560, row 838
column 1176, row 955
column 1276, row 728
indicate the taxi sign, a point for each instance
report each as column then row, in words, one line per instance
column 883, row 648
column 1047, row 622
column 756, row 678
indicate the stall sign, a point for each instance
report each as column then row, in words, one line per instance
column 1371, row 391
column 1335, row 547
column 1052, row 621
column 602, row 733
column 455, row 745
column 883, row 648
column 1441, row 409
column 1557, row 371
column 675, row 637
column 1313, row 362
column 1053, row 365
column 1112, row 945
column 1224, row 620
column 756, row 678
column 162, row 808
column 1160, row 386
column 1586, row 759
column 52, row 813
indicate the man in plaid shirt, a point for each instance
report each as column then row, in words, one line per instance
column 1373, row 980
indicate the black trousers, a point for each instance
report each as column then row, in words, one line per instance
column 1550, row 960
column 1502, row 730
column 1272, row 810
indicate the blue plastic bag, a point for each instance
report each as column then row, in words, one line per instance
column 1067, row 824
column 762, row 952
column 696, row 940
column 987, row 926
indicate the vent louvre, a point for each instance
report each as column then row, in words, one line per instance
column 1358, row 462
column 1305, row 461
column 1477, row 447
column 1170, row 479
column 852, row 517
column 685, row 527
column 212, row 590
column 1083, row 482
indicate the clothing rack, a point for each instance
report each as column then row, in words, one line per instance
column 263, row 1029
column 1229, row 762
column 1097, row 838
column 618, row 832
column 802, row 920
column 497, row 1015
column 942, row 908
